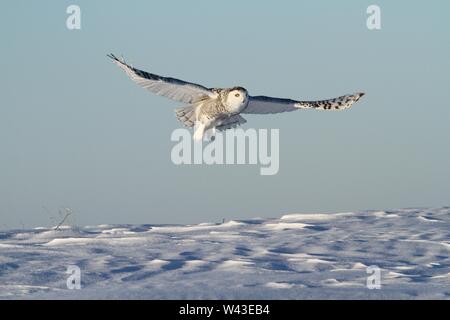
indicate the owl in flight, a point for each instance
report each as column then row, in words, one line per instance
column 210, row 109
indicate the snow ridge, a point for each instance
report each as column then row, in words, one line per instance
column 299, row 256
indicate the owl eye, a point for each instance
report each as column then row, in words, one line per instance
column 237, row 95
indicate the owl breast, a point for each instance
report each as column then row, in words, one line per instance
column 237, row 107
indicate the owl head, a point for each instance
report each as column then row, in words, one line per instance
column 236, row 99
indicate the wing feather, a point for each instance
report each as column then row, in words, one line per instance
column 265, row 105
column 171, row 88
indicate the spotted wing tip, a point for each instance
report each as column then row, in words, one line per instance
column 357, row 96
column 360, row 94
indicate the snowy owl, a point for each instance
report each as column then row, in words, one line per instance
column 210, row 109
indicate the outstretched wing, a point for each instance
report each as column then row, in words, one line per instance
column 264, row 105
column 168, row 87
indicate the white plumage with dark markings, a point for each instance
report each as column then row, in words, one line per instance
column 221, row 108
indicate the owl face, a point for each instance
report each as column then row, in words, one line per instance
column 237, row 99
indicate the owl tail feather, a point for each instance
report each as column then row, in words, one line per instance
column 186, row 116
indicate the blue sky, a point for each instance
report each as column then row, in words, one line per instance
column 74, row 131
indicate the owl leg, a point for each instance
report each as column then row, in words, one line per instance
column 199, row 131
column 211, row 134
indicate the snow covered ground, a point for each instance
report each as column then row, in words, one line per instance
column 298, row 256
